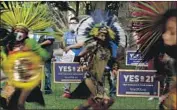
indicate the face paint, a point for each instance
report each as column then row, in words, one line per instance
column 102, row 36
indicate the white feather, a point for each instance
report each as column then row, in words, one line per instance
column 82, row 27
column 121, row 34
column 85, row 23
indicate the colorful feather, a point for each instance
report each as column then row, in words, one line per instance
column 31, row 15
column 148, row 17
column 91, row 25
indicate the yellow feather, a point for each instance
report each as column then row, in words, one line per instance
column 111, row 33
column 34, row 16
column 94, row 32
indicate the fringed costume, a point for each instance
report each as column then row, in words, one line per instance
column 101, row 32
column 155, row 25
column 82, row 91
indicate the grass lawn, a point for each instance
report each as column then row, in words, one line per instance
column 55, row 101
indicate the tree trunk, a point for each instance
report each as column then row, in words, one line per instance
column 98, row 5
column 77, row 8
column 87, row 11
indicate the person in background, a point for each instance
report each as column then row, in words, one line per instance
column 113, row 74
column 71, row 43
column 46, row 43
column 111, row 63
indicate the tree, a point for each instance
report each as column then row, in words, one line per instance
column 61, row 12
column 113, row 6
column 61, row 5
column 77, row 8
column 98, row 5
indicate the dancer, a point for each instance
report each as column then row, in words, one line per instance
column 96, row 53
column 157, row 36
column 82, row 91
column 22, row 56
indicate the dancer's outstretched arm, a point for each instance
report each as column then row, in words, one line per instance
column 88, row 48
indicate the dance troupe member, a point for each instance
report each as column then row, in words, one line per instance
column 94, row 58
column 22, row 56
column 157, row 36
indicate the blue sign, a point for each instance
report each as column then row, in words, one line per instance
column 137, row 83
column 133, row 59
column 67, row 73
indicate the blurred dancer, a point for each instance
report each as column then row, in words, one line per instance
column 157, row 36
column 22, row 56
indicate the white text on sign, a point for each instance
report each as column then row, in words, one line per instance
column 138, row 78
column 69, row 69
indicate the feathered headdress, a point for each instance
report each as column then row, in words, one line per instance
column 31, row 16
column 148, row 22
column 100, row 21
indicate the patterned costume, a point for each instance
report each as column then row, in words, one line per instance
column 151, row 23
column 22, row 57
column 94, row 58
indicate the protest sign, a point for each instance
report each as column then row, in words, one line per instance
column 133, row 59
column 137, row 83
column 67, row 73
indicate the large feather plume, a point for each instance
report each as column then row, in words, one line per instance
column 148, row 23
column 31, row 15
column 90, row 25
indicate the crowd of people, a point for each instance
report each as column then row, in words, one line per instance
column 96, row 50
